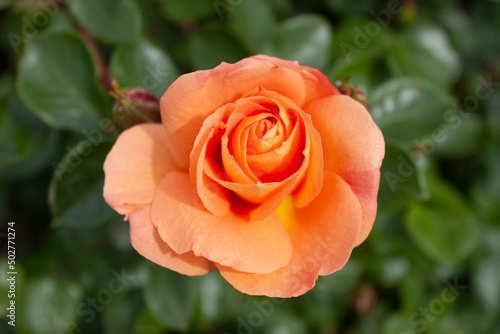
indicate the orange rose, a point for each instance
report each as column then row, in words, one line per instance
column 261, row 170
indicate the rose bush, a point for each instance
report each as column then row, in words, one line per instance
column 261, row 169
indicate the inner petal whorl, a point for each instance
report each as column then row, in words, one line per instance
column 264, row 127
column 265, row 135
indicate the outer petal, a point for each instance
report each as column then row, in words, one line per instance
column 194, row 96
column 135, row 166
column 147, row 242
column 351, row 139
column 353, row 147
column 323, row 235
column 365, row 186
column 251, row 246
column 317, row 84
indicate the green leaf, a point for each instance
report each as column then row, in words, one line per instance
column 171, row 298
column 14, row 40
column 425, row 52
column 460, row 28
column 61, row 22
column 147, row 324
column 112, row 21
column 212, row 292
column 356, row 37
column 211, row 45
column 243, row 18
column 122, row 313
column 145, row 65
column 7, row 89
column 14, row 141
column 408, row 109
column 57, row 82
column 492, row 116
column 486, row 189
column 306, row 38
column 398, row 323
column 411, row 292
column 345, row 280
column 485, row 283
column 390, row 270
column 27, row 146
column 51, row 306
column 442, row 226
column 460, row 137
column 4, row 200
column 348, row 8
column 399, row 180
column 5, row 3
column 179, row 11
column 75, row 193
column 276, row 320
column 360, row 71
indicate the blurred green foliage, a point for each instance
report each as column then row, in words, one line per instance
column 431, row 71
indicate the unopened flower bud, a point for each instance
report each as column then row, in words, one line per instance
column 134, row 106
column 346, row 88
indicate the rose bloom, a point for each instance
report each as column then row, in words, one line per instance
column 261, row 170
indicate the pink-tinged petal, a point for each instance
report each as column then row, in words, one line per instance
column 365, row 186
column 323, row 235
column 135, row 166
column 147, row 242
column 353, row 147
column 250, row 246
column 194, row 96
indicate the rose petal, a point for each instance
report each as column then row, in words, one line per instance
column 238, row 177
column 135, row 166
column 353, row 147
column 311, row 178
column 267, row 196
column 323, row 235
column 239, row 135
column 311, row 184
column 250, row 246
column 214, row 197
column 365, row 186
column 316, row 83
column 278, row 164
column 194, row 96
column 241, row 127
column 351, row 139
column 147, row 242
